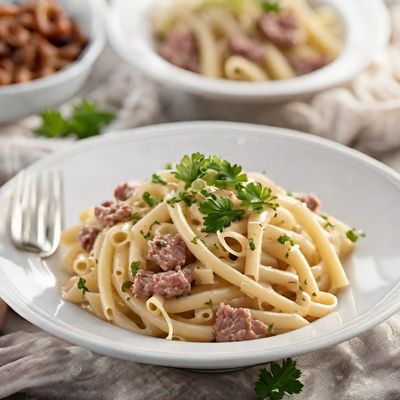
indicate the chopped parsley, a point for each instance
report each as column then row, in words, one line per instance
column 186, row 197
column 209, row 303
column 255, row 196
column 285, row 238
column 195, row 240
column 126, row 285
column 314, row 294
column 219, row 213
column 329, row 226
column 270, row 6
column 136, row 217
column 305, row 282
column 252, row 245
column 354, row 235
column 270, row 328
column 149, row 235
column 280, row 380
column 82, row 285
column 149, row 199
column 135, row 266
column 155, row 178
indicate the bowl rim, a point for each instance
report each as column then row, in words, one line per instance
column 164, row 72
column 385, row 307
column 85, row 61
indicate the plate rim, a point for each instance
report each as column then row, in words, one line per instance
column 362, row 323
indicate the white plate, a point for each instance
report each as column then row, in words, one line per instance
column 353, row 187
column 367, row 31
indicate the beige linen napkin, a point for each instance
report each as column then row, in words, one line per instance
column 365, row 113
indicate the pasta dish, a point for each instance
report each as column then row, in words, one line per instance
column 248, row 40
column 203, row 251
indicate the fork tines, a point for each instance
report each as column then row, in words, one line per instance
column 37, row 212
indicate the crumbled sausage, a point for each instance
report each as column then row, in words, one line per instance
column 248, row 48
column 167, row 251
column 282, row 28
column 110, row 213
column 234, row 324
column 123, row 191
column 306, row 65
column 87, row 237
column 167, row 284
column 311, row 200
column 180, row 48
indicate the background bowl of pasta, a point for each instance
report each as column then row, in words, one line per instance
column 211, row 56
column 352, row 187
column 49, row 53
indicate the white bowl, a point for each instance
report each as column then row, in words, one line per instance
column 367, row 31
column 353, row 187
column 23, row 99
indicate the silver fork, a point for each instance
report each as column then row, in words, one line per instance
column 36, row 216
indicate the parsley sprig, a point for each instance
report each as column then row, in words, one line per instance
column 86, row 120
column 227, row 175
column 279, row 380
column 219, row 213
column 190, row 168
column 255, row 196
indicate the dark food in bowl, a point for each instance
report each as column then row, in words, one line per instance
column 37, row 39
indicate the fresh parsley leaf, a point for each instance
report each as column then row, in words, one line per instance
column 135, row 266
column 82, row 285
column 136, row 217
column 255, row 196
column 53, row 125
column 228, row 175
column 86, row 120
column 149, row 199
column 270, row 328
column 280, row 380
column 190, row 168
column 209, row 303
column 285, row 238
column 270, row 6
column 252, row 245
column 126, row 285
column 155, row 178
column 354, row 235
column 219, row 213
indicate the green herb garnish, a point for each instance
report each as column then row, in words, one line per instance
column 227, row 175
column 82, row 285
column 285, row 238
column 190, row 168
column 86, row 120
column 136, row 217
column 270, row 6
column 353, row 235
column 209, row 303
column 252, row 245
column 149, row 199
column 255, row 196
column 270, row 328
column 126, row 285
column 280, row 380
column 135, row 266
column 219, row 213
column 155, row 178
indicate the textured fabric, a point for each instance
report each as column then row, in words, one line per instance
column 364, row 368
column 35, row 365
